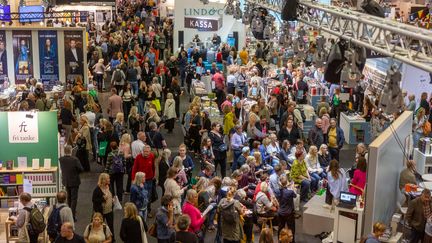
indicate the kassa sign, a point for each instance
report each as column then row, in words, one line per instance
column 23, row 127
column 203, row 24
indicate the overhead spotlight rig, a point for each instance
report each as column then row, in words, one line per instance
column 36, row 16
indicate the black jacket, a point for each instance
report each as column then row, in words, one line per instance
column 130, row 231
column 71, row 168
column 217, row 142
column 290, row 136
column 98, row 199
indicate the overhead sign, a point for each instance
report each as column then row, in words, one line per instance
column 23, row 127
column 374, row 54
column 203, row 24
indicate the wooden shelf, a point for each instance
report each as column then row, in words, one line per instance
column 29, row 170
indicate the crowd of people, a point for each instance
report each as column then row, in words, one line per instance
column 253, row 170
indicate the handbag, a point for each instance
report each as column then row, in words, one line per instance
column 223, row 147
column 102, row 148
column 117, row 204
column 152, row 231
column 157, row 104
column 143, row 235
column 328, row 196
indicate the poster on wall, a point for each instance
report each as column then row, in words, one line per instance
column 74, row 57
column 48, row 56
column 3, row 57
column 22, row 48
column 23, row 128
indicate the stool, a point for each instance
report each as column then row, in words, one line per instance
column 265, row 220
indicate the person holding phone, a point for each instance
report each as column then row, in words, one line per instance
column 165, row 220
column 173, row 190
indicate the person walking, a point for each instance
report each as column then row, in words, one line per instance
column 116, row 169
column 419, row 210
column 139, row 195
column 132, row 226
column 83, row 141
column 97, row 231
column 67, row 235
column 62, row 212
column 71, row 169
column 115, row 105
column 103, row 203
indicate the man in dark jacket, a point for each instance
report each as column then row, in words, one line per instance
column 71, row 168
column 416, row 215
column 335, row 139
column 316, row 136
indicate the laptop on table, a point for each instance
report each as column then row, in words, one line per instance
column 347, row 200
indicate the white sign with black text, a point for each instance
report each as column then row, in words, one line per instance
column 23, row 127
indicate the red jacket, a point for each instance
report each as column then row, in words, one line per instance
column 195, row 216
column 145, row 165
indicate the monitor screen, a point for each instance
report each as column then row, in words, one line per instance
column 31, row 13
column 5, row 13
column 347, row 197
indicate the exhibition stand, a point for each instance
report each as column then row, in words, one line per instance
column 51, row 55
column 28, row 162
column 356, row 129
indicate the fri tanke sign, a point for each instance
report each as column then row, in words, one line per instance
column 23, row 127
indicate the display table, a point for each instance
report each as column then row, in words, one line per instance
column 316, row 218
column 427, row 177
column 423, row 161
column 394, row 239
column 356, row 130
column 347, row 224
column 427, row 185
column 313, row 100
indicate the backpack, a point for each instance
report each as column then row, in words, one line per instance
column 303, row 116
column 229, row 214
column 36, row 223
column 54, row 223
column 117, row 165
column 117, row 77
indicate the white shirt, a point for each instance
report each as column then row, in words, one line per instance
column 231, row 79
column 91, row 118
column 137, row 147
column 74, row 52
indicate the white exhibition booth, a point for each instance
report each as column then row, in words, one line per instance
column 192, row 17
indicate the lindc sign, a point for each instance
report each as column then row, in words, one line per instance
column 203, row 24
column 23, row 127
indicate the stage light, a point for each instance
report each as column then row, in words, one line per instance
column 42, row 23
column 3, row 24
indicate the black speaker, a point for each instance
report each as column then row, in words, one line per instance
column 181, row 38
column 236, row 38
column 289, row 12
column 373, row 8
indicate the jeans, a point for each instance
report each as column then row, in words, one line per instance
column 99, row 80
column 141, row 106
column 304, row 189
column 134, row 85
column 143, row 214
column 72, row 198
column 117, row 179
column 237, row 154
column 148, row 186
column 416, row 236
column 315, row 178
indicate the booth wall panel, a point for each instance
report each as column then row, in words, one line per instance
column 35, row 55
column 47, row 147
column 61, row 55
column 10, row 58
column 386, row 161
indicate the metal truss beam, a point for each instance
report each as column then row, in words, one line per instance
column 406, row 43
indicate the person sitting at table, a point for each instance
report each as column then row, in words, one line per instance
column 408, row 175
column 300, row 175
column 358, row 182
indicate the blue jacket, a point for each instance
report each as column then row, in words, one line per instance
column 139, row 197
column 164, row 232
column 339, row 137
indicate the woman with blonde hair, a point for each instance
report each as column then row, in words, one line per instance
column 314, row 168
column 139, row 195
column 164, row 166
column 119, row 124
column 152, row 116
column 83, row 141
column 173, row 189
column 98, row 73
column 132, row 226
column 97, row 231
column 181, row 173
column 170, row 112
column 103, row 201
column 126, row 151
column 134, row 121
column 419, row 121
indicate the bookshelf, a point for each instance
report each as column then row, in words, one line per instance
column 44, row 184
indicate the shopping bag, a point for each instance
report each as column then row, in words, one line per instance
column 102, row 148
column 157, row 104
column 117, row 204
